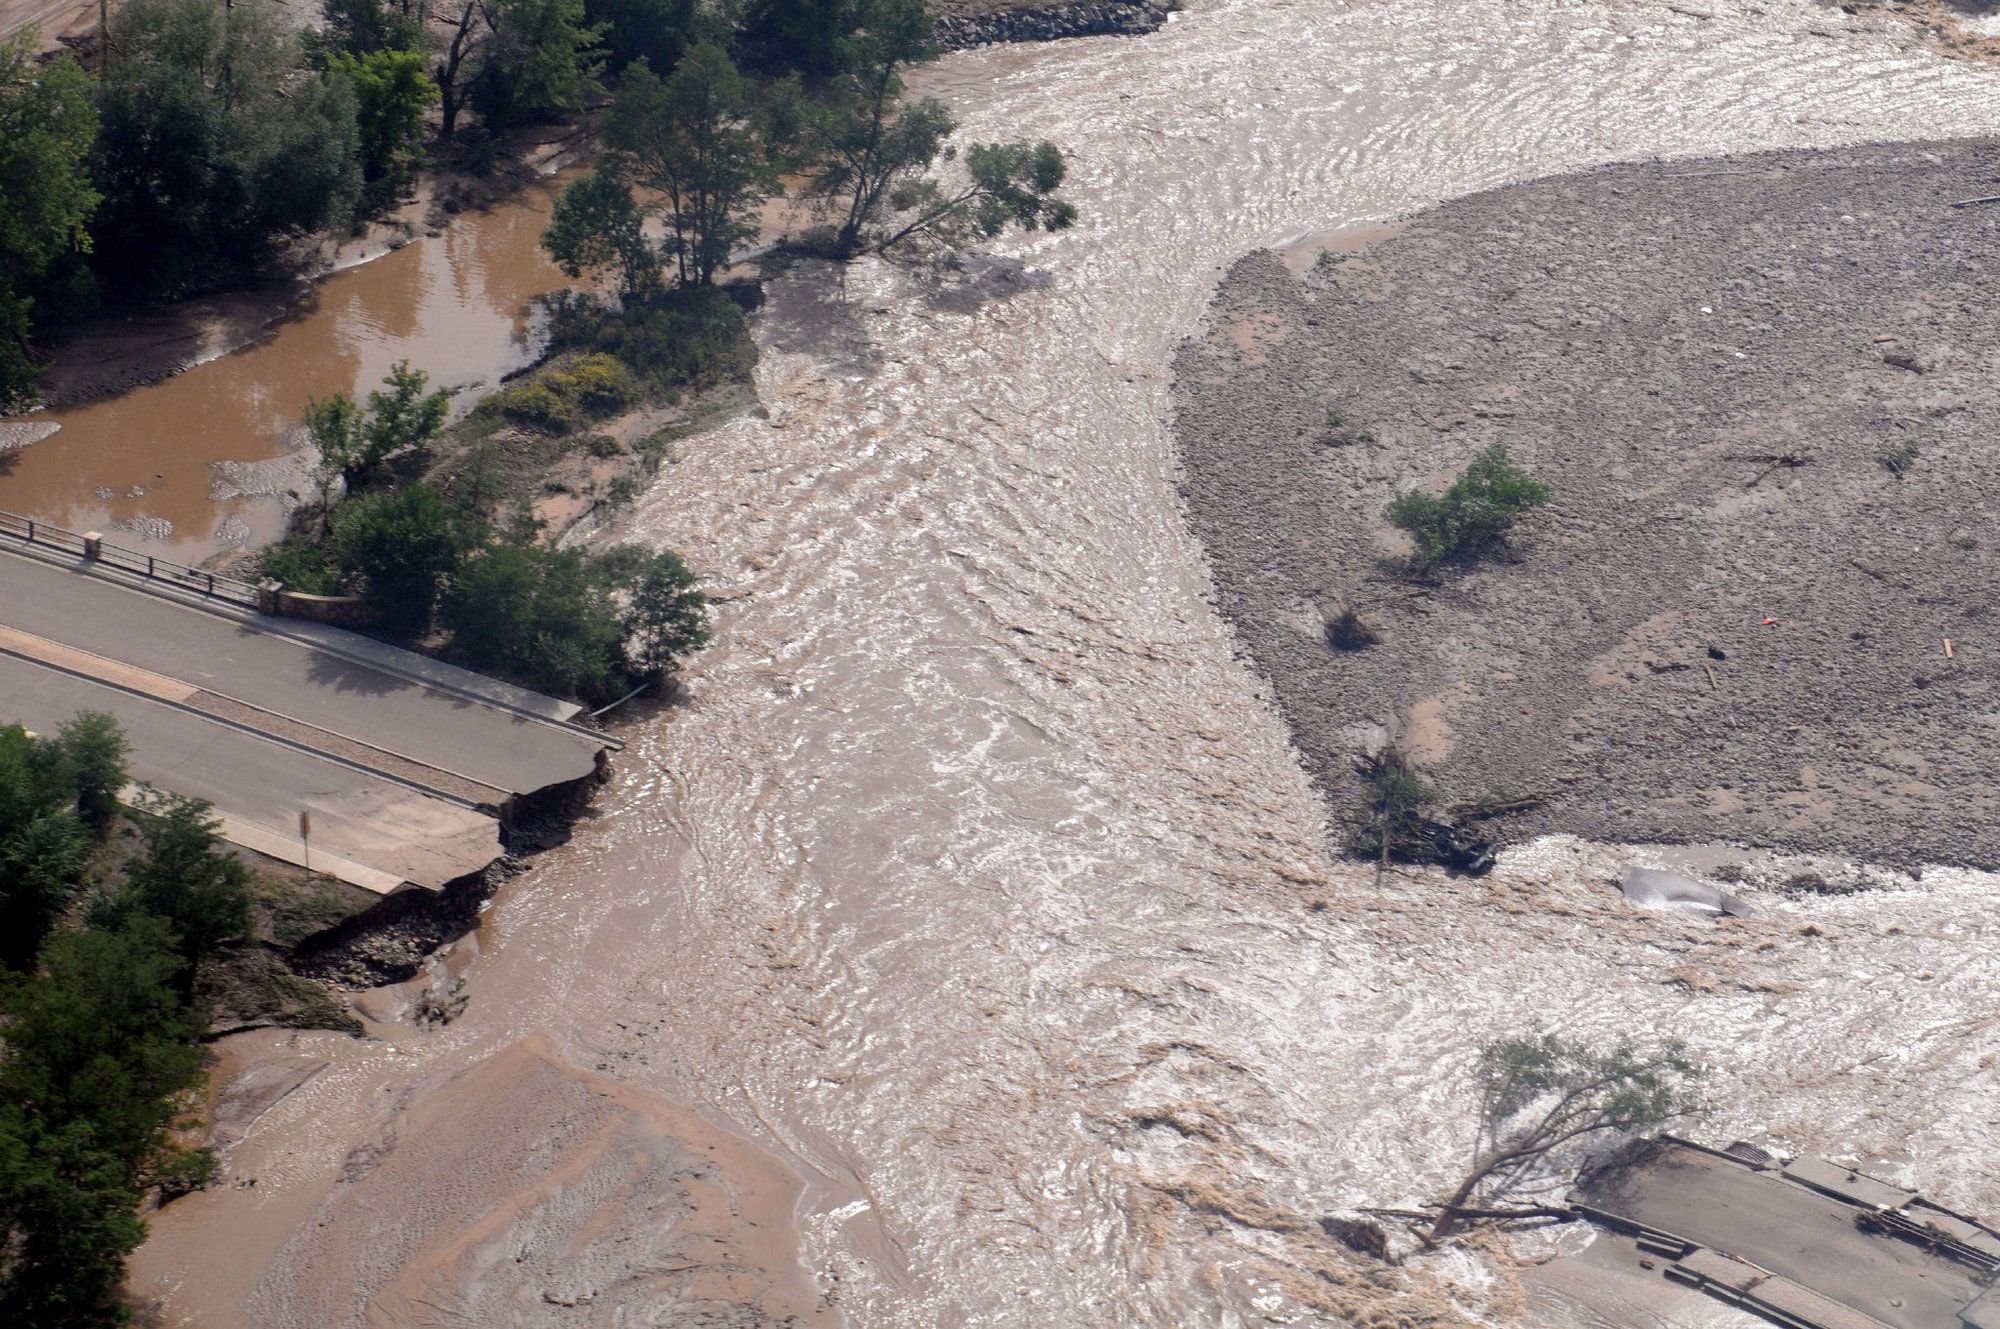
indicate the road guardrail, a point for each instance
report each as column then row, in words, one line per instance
column 91, row 548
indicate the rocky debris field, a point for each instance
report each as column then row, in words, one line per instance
column 1760, row 606
column 962, row 23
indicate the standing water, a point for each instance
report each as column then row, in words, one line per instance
column 200, row 461
column 978, row 882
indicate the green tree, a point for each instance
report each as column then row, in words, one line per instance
column 44, row 843
column 352, row 445
column 1393, row 819
column 800, row 36
column 1007, row 184
column 864, row 139
column 656, row 31
column 691, row 139
column 366, row 27
column 595, row 227
column 1478, row 508
column 1542, row 1097
column 91, row 750
column 542, row 615
column 873, row 151
column 541, row 59
column 47, row 127
column 401, row 547
column 68, row 1219
column 214, row 143
column 334, row 426
column 391, row 93
column 41, row 863
column 183, row 878
column 99, row 1053
column 666, row 615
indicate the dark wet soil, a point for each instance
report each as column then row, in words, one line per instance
column 1718, row 366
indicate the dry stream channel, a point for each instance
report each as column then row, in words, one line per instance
column 976, row 915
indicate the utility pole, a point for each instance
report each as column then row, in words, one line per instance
column 305, row 838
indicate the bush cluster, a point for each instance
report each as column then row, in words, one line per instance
column 563, row 399
column 688, row 338
column 1469, row 516
column 580, row 624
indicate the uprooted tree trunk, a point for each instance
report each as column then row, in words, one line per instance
column 1541, row 1094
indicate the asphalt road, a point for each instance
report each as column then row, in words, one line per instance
column 236, row 659
column 355, row 815
column 1791, row 1231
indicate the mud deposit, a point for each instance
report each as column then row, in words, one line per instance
column 1716, row 366
column 977, row 880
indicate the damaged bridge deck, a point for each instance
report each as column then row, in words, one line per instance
column 406, row 766
column 1805, row 1244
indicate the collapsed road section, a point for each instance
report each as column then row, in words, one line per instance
column 1805, row 1243
column 315, row 745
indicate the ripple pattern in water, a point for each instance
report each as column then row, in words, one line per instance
column 977, row 878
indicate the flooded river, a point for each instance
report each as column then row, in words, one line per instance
column 978, row 888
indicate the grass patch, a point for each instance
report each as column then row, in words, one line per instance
column 1898, row 460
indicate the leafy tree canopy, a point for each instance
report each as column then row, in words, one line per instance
column 214, row 144
column 391, row 92
column 52, row 792
column 1542, row 1097
column 99, row 1053
column 541, row 59
column 401, row 547
column 47, row 127
column 597, row 227
column 183, row 878
column 691, row 140
column 353, row 444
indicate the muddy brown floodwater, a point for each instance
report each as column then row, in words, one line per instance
column 979, row 883
column 201, row 461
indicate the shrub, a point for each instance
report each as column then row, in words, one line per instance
column 1898, row 459
column 1348, row 631
column 561, row 399
column 691, row 338
column 299, row 564
column 538, row 614
column 400, row 547
column 1478, row 508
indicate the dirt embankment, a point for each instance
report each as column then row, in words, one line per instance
column 1761, row 389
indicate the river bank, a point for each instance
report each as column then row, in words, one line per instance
column 1760, row 389
column 977, row 880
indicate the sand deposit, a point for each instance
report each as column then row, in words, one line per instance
column 1731, row 623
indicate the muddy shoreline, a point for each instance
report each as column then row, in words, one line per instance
column 117, row 352
column 1731, row 622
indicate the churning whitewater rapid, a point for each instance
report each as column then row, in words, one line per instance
column 978, row 883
